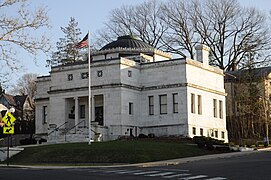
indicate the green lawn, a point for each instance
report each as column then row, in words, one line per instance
column 132, row 151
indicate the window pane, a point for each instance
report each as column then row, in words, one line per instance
column 163, row 99
column 163, row 109
column 175, row 103
column 192, row 103
column 131, row 107
column 151, row 105
column 44, row 114
column 163, row 104
column 220, row 110
column 215, row 107
column 150, row 100
column 199, row 105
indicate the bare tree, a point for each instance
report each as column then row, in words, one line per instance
column 233, row 32
column 26, row 85
column 142, row 20
column 17, row 31
column 181, row 36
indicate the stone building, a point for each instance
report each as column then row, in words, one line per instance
column 136, row 89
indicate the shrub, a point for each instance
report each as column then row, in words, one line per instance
column 142, row 136
column 200, row 141
column 28, row 141
column 207, row 142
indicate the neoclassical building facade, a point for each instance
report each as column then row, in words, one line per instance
column 136, row 89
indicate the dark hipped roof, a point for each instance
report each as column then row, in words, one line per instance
column 262, row 72
column 127, row 42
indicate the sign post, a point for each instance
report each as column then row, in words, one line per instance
column 8, row 129
column 8, row 152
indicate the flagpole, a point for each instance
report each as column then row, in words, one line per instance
column 89, row 94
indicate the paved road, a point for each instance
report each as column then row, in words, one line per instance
column 252, row 166
column 255, row 166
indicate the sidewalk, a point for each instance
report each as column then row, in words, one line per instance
column 148, row 164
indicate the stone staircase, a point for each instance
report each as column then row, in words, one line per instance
column 76, row 134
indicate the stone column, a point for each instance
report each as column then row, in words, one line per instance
column 76, row 110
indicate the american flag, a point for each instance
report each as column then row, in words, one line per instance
column 82, row 43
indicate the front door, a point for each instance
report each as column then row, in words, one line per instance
column 99, row 116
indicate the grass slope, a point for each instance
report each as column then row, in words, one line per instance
column 134, row 151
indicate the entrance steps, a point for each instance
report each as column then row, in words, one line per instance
column 80, row 134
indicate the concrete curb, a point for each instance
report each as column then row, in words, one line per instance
column 148, row 164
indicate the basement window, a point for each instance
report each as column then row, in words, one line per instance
column 194, row 131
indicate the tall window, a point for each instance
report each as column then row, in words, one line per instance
column 151, row 105
column 175, row 103
column 199, row 104
column 215, row 107
column 220, row 110
column 44, row 114
column 193, row 106
column 131, row 108
column 82, row 111
column 163, row 104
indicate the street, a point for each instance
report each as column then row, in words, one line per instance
column 252, row 166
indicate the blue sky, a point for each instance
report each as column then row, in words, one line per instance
column 90, row 14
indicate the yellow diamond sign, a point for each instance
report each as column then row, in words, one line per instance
column 8, row 119
column 8, row 130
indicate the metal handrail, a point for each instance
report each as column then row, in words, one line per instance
column 57, row 128
column 73, row 127
column 76, row 126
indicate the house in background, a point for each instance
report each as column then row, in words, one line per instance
column 248, row 104
column 24, row 112
column 135, row 89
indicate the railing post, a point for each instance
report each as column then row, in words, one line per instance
column 65, row 135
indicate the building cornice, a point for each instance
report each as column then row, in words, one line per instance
column 206, row 89
column 143, row 88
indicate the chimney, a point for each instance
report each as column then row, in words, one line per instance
column 202, row 52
